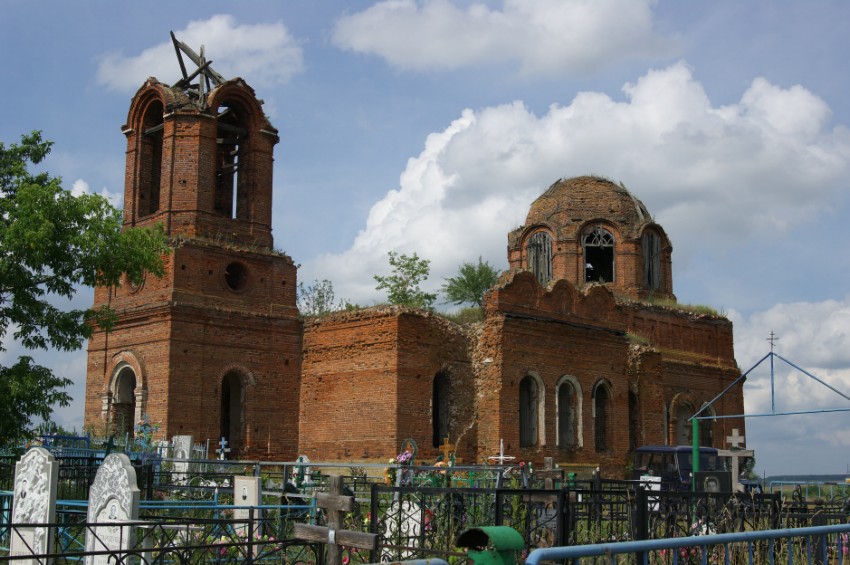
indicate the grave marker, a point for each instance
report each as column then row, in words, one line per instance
column 501, row 458
column 735, row 452
column 181, row 449
column 34, row 502
column 113, row 497
column 335, row 504
column 222, row 450
column 550, row 473
column 246, row 492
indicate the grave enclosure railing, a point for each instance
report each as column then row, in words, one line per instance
column 254, row 540
column 424, row 518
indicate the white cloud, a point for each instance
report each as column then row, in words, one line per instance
column 816, row 338
column 81, row 187
column 262, row 54
column 542, row 36
column 698, row 167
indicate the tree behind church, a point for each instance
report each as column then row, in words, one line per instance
column 52, row 242
column 470, row 284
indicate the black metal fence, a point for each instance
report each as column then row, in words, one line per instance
column 420, row 520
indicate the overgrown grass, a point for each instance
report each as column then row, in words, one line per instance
column 700, row 309
column 637, row 339
column 465, row 316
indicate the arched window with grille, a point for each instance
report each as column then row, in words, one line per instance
column 598, row 246
column 651, row 247
column 538, row 253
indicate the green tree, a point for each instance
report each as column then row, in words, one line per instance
column 402, row 287
column 318, row 298
column 470, row 284
column 52, row 242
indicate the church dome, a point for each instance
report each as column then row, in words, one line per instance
column 570, row 203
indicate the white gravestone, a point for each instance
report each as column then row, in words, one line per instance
column 246, row 492
column 181, row 449
column 36, row 480
column 113, row 497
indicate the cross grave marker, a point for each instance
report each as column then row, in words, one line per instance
column 501, row 458
column 335, row 504
column 735, row 452
column 34, row 502
column 222, row 450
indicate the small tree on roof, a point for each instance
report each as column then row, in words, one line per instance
column 402, row 287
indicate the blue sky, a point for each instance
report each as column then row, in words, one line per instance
column 431, row 126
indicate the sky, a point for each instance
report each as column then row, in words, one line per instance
column 430, row 127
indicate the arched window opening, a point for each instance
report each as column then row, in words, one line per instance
column 683, row 426
column 634, row 423
column 528, row 411
column 651, row 245
column 598, row 245
column 150, row 172
column 124, row 401
column 440, row 409
column 231, row 410
column 538, row 255
column 231, row 137
column 601, row 408
column 567, row 404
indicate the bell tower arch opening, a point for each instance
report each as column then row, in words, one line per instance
column 150, row 170
column 231, row 161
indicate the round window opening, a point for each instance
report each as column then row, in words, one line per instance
column 236, row 276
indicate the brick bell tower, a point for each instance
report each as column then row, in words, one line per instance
column 212, row 348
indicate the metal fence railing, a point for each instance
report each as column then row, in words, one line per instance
column 813, row 545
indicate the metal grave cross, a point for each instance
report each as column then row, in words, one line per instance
column 335, row 504
column 223, row 450
column 501, row 458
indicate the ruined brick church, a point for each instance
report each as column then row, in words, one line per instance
column 572, row 359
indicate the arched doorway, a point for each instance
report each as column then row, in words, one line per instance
column 231, row 409
column 124, row 401
column 440, row 409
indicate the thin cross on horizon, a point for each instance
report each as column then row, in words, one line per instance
column 772, row 339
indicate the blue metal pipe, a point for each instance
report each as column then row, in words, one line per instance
column 610, row 549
